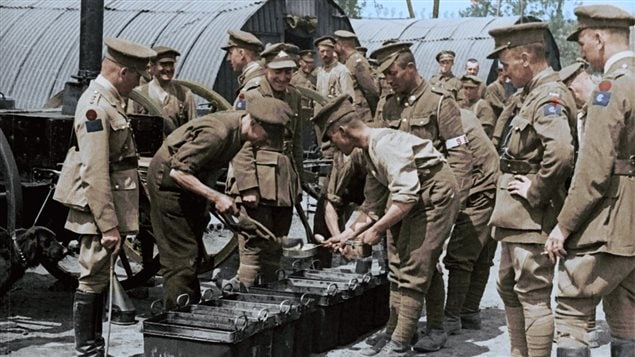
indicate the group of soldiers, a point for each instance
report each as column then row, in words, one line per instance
column 423, row 162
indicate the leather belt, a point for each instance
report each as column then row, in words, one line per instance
column 521, row 167
column 624, row 167
column 125, row 164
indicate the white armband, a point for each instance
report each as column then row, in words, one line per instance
column 454, row 142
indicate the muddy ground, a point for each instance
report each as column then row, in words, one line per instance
column 36, row 320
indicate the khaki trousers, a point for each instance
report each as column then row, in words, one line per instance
column 94, row 264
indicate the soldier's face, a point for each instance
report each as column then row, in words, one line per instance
column 341, row 140
column 471, row 93
column 306, row 67
column 445, row 66
column 129, row 80
column 590, row 47
column 326, row 54
column 515, row 67
column 164, row 71
column 279, row 78
column 256, row 133
column 235, row 59
column 471, row 68
column 581, row 87
column 401, row 80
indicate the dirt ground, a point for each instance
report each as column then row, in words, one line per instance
column 36, row 320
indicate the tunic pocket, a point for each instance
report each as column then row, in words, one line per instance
column 421, row 127
column 266, row 170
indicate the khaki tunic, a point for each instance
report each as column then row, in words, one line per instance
column 483, row 111
column 448, row 82
column 301, row 79
column 432, row 114
column 273, row 171
column 366, row 91
column 250, row 77
column 496, row 95
column 201, row 148
column 540, row 145
column 109, row 179
column 176, row 101
column 334, row 80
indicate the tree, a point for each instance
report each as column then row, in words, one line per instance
column 353, row 8
column 548, row 10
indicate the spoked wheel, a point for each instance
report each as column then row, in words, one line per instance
column 10, row 188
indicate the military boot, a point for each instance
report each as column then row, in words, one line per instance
column 622, row 348
column 432, row 341
column 516, row 328
column 391, row 349
column 458, row 285
column 471, row 321
column 85, row 306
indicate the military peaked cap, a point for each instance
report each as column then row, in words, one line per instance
column 165, row 54
column 516, row 35
column 386, row 55
column 569, row 72
column 601, row 16
column 307, row 55
column 325, row 41
column 445, row 54
column 344, row 34
column 129, row 54
column 471, row 81
column 362, row 50
column 278, row 55
column 332, row 112
column 242, row 39
column 269, row 111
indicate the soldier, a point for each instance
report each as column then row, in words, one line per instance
column 537, row 159
column 333, row 79
column 405, row 168
column 243, row 54
column 189, row 157
column 596, row 219
column 471, row 249
column 581, row 85
column 497, row 92
column 366, row 92
column 109, row 189
column 472, row 68
column 265, row 179
column 473, row 102
column 445, row 78
column 429, row 113
column 176, row 100
column 305, row 76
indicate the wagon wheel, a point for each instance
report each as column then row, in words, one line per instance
column 10, row 187
column 215, row 100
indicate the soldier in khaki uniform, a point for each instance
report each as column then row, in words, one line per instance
column 498, row 92
column 176, row 100
column 189, row 157
column 109, row 206
column 445, row 79
column 595, row 223
column 399, row 195
column 305, row 76
column 471, row 249
column 243, row 54
column 480, row 107
column 472, row 68
column 537, row 158
column 581, row 85
column 333, row 78
column 429, row 113
column 366, row 92
column 265, row 179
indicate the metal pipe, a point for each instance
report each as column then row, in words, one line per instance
column 91, row 35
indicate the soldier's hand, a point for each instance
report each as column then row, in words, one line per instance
column 370, row 237
column 519, row 186
column 554, row 247
column 224, row 204
column 251, row 197
column 111, row 240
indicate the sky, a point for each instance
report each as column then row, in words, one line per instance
column 451, row 8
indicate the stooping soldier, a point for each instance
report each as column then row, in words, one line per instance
column 265, row 179
column 409, row 189
column 243, row 54
column 105, row 187
column 596, row 221
column 176, row 100
column 189, row 156
column 366, row 92
column 445, row 79
column 473, row 102
column 470, row 251
column 581, row 85
column 536, row 160
column 429, row 113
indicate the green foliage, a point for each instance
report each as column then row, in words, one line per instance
column 550, row 11
column 353, row 8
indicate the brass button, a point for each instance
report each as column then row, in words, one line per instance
column 116, row 187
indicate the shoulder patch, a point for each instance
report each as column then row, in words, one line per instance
column 604, row 86
column 553, row 108
column 601, row 98
column 93, row 126
column 240, row 103
column 91, row 114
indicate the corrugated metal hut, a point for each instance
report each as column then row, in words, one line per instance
column 39, row 39
column 467, row 36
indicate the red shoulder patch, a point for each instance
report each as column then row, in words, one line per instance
column 91, row 114
column 554, row 100
column 604, row 86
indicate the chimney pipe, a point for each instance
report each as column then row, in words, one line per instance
column 91, row 33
